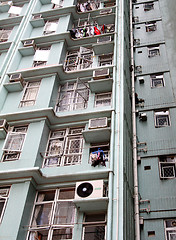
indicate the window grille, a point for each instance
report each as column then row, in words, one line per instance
column 72, row 96
column 94, row 226
column 162, row 119
column 53, row 215
column 170, row 229
column 50, row 27
column 157, row 81
column 14, row 143
column 88, row 6
column 4, row 34
column 103, row 99
column 148, row 6
column 4, row 195
column 167, row 166
column 30, row 94
column 105, row 59
column 79, row 59
column 153, row 51
column 150, row 26
column 64, row 148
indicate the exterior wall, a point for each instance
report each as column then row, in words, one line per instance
column 28, row 175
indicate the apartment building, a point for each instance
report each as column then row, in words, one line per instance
column 154, row 77
column 65, row 120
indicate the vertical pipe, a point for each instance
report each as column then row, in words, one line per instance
column 136, row 190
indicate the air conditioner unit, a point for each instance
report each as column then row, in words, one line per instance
column 17, row 77
column 106, row 11
column 101, row 73
column 4, row 125
column 89, row 189
column 98, row 122
column 37, row 16
column 143, row 117
column 104, row 39
column 29, row 43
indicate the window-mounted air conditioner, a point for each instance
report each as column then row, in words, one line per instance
column 104, row 39
column 143, row 117
column 89, row 189
column 17, row 77
column 98, row 123
column 37, row 16
column 101, row 73
column 29, row 43
column 4, row 125
column 106, row 11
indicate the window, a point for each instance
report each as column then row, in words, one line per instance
column 88, row 6
column 79, row 59
column 167, row 166
column 103, row 148
column 30, row 94
column 94, row 226
column 105, row 59
column 170, row 229
column 162, row 119
column 4, row 195
column 64, row 148
column 4, row 34
column 57, row 3
column 103, row 99
column 41, row 56
column 50, row 27
column 53, row 215
column 14, row 143
column 157, row 80
column 153, row 51
column 14, row 11
column 150, row 26
column 73, row 96
column 148, row 6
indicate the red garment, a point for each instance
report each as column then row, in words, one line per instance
column 96, row 31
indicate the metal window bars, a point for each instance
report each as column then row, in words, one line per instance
column 167, row 167
column 73, row 96
column 79, row 59
column 4, row 195
column 65, row 149
column 14, row 143
column 170, row 229
column 103, row 99
column 162, row 119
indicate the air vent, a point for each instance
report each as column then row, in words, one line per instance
column 37, row 16
column 16, row 78
column 101, row 73
column 104, row 39
column 106, row 11
column 29, row 43
column 143, row 117
column 98, row 123
column 141, row 80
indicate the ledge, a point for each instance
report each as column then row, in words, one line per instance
column 13, row 87
column 97, row 135
column 100, row 86
column 92, row 204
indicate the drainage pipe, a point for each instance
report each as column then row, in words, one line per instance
column 136, row 190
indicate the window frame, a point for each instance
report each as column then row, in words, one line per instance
column 156, row 77
column 73, row 96
column 51, row 226
column 96, row 223
column 14, row 131
column 153, row 51
column 148, row 6
column 168, row 229
column 167, row 161
column 26, row 91
column 162, row 113
column 104, row 99
column 49, row 24
column 151, row 26
column 63, row 157
column 5, row 202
